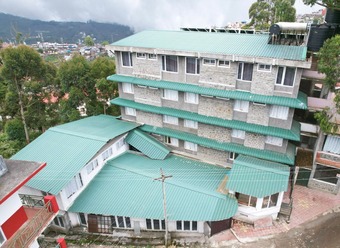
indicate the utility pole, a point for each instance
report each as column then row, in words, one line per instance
column 162, row 178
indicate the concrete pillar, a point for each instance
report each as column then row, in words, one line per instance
column 53, row 203
column 62, row 243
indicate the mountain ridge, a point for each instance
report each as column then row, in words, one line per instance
column 62, row 32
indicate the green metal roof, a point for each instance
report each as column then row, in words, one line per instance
column 126, row 186
column 67, row 148
column 147, row 144
column 256, row 177
column 250, row 45
column 287, row 158
column 300, row 102
column 290, row 134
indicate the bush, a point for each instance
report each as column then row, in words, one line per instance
column 15, row 130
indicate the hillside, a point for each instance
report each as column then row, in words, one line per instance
column 68, row 32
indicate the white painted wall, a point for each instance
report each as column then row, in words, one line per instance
column 9, row 207
column 26, row 190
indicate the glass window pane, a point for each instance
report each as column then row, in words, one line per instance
column 247, row 72
column 191, row 65
column 265, row 202
column 156, row 225
column 252, row 202
column 186, row 225
column 273, row 200
column 148, row 224
column 279, row 75
column 113, row 221
column 128, row 222
column 289, row 77
column 120, row 221
column 179, row 225
column 163, row 224
column 239, row 73
column 194, row 226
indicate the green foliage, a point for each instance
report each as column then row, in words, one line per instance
column 88, row 41
column 260, row 13
column 332, row 4
column 14, row 130
column 323, row 117
column 329, row 61
column 283, row 11
column 105, row 42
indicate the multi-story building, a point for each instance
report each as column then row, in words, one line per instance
column 226, row 99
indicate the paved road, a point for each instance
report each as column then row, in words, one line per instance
column 323, row 232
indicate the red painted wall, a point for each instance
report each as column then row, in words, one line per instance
column 14, row 222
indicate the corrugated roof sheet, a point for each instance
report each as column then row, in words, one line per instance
column 126, row 187
column 300, row 102
column 287, row 158
column 68, row 147
column 290, row 134
column 147, row 144
column 250, row 45
column 256, row 177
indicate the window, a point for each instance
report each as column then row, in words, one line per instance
column 128, row 88
column 153, row 224
column 171, row 141
column 141, row 55
column 90, row 167
column 246, row 200
column 241, row 106
column 270, row 201
column 59, row 221
column 183, row 225
column 120, row 143
column 332, row 144
column 192, row 65
column 191, row 98
column 106, row 154
column 152, row 56
column 209, row 61
column 224, row 63
column 190, row 124
column 82, row 219
column 240, row 134
column 232, row 155
column 190, row 146
column 170, row 95
column 2, row 238
column 73, row 186
column 169, row 63
column 130, row 111
column 106, row 224
column 285, row 76
column 170, row 119
column 263, row 67
column 245, row 71
column 276, row 141
column 279, row 112
column 259, row 103
column 127, row 59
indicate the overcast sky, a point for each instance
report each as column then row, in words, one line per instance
column 139, row 14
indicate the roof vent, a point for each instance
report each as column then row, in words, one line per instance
column 288, row 33
column 3, row 167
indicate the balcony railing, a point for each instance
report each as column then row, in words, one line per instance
column 327, row 158
column 31, row 229
column 32, row 200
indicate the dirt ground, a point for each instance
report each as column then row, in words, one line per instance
column 322, row 232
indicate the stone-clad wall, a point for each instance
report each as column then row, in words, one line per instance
column 214, row 132
column 147, row 95
column 212, row 156
column 258, row 114
column 216, row 107
column 263, row 82
column 254, row 140
column 219, row 75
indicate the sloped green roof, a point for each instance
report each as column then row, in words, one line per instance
column 291, row 134
column 256, row 177
column 287, row 158
column 250, row 45
column 300, row 102
column 67, row 148
column 147, row 144
column 126, row 187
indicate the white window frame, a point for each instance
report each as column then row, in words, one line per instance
column 170, row 119
column 190, row 146
column 57, row 222
column 164, row 63
column 120, row 143
column 74, row 185
column 130, row 111
column 90, row 167
column 241, row 106
column 264, row 67
column 197, row 66
column 269, row 201
column 107, row 153
column 239, row 134
column 275, row 141
column 259, row 103
column 190, row 97
column 240, row 74
column 182, row 226
column 279, row 112
column 224, row 63
column 128, row 88
column 130, row 59
column 209, row 62
column 141, row 55
column 171, row 95
column 232, row 155
column 152, row 56
column 171, row 141
column 152, row 221
column 281, row 82
column 190, row 124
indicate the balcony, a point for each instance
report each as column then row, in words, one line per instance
column 318, row 103
column 38, row 219
column 328, row 159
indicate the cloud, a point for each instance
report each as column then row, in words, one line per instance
column 139, row 14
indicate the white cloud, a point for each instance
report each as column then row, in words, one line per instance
column 139, row 14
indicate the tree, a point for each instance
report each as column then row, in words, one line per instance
column 329, row 64
column 283, row 11
column 88, row 41
column 332, row 4
column 260, row 12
